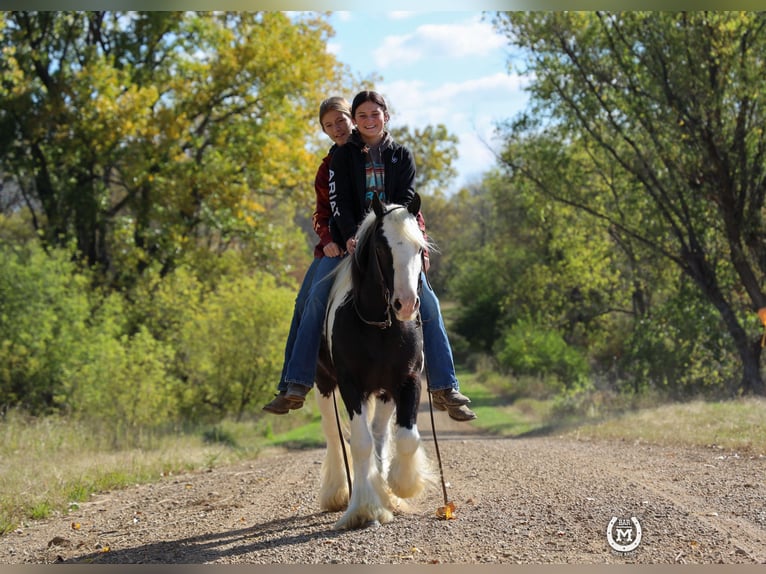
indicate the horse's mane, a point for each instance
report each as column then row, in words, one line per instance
column 399, row 216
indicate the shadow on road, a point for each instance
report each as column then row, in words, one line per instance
column 217, row 546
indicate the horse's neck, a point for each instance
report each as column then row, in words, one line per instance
column 369, row 289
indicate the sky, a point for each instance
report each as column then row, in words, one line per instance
column 446, row 68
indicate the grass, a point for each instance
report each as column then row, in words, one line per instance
column 48, row 466
column 735, row 425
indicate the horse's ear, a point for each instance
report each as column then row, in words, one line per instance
column 377, row 206
column 414, row 205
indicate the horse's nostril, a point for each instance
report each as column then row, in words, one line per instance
column 398, row 305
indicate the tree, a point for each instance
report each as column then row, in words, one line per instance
column 141, row 135
column 667, row 107
column 434, row 149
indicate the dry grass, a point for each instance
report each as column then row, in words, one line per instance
column 50, row 464
column 737, row 425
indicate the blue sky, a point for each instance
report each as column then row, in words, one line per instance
column 437, row 67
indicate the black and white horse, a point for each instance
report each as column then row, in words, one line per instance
column 373, row 352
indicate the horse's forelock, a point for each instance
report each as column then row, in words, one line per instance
column 405, row 225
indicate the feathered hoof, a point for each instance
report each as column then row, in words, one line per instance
column 362, row 518
column 410, row 476
column 334, row 501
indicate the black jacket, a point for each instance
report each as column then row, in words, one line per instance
column 348, row 186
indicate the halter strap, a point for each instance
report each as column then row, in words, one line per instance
column 387, row 322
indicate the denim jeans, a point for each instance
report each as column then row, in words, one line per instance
column 301, row 367
column 300, row 303
column 439, row 363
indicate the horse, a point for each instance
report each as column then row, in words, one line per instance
column 372, row 351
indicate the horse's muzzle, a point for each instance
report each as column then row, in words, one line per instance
column 406, row 309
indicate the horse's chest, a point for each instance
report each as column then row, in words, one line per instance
column 371, row 351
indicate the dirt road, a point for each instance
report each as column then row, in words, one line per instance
column 530, row 501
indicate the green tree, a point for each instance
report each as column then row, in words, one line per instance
column 435, row 151
column 140, row 135
column 667, row 107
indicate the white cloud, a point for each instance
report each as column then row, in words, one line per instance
column 470, row 38
column 470, row 110
column 417, row 103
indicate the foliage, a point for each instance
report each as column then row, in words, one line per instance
column 681, row 350
column 44, row 314
column 531, row 348
column 434, row 150
column 230, row 351
column 661, row 112
column 142, row 135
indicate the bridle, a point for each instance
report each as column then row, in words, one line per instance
column 387, row 322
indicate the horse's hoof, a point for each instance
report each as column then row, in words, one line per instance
column 373, row 524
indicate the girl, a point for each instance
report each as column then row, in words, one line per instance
column 370, row 162
column 335, row 119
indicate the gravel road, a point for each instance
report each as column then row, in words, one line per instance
column 535, row 500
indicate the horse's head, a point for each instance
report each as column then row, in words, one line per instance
column 399, row 244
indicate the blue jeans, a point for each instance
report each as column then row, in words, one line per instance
column 439, row 363
column 301, row 367
column 301, row 363
column 300, row 303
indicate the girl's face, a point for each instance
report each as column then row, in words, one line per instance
column 370, row 120
column 337, row 125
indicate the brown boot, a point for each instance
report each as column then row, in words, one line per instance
column 454, row 403
column 289, row 400
column 461, row 413
column 445, row 398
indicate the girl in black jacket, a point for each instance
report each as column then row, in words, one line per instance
column 371, row 162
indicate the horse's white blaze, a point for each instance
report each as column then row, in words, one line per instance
column 333, row 491
column 407, row 265
column 410, row 470
column 370, row 499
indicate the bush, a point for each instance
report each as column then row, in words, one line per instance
column 682, row 349
column 44, row 314
column 528, row 348
column 231, row 350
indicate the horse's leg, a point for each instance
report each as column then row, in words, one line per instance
column 381, row 433
column 370, row 500
column 410, row 469
column 333, row 488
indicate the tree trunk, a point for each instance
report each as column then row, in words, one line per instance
column 749, row 351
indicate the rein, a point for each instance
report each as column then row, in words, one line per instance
column 387, row 322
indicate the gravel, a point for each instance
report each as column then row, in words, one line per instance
column 518, row 501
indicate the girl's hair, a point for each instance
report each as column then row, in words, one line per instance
column 334, row 103
column 368, row 96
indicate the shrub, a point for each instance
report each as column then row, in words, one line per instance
column 528, row 348
column 231, row 350
column 44, row 313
